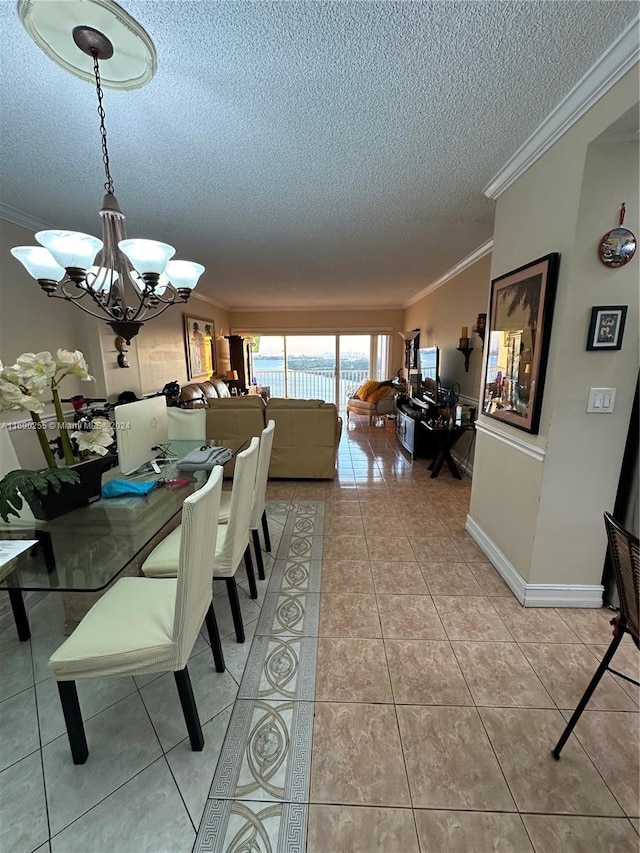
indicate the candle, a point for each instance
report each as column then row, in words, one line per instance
column 465, row 332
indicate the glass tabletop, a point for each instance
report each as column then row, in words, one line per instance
column 84, row 550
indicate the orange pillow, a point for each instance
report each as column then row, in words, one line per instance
column 378, row 394
column 366, row 389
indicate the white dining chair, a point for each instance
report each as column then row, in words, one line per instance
column 186, row 424
column 258, row 503
column 232, row 542
column 145, row 625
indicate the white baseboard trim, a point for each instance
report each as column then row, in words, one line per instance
column 460, row 462
column 534, row 594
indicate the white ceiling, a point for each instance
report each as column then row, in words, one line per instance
column 307, row 153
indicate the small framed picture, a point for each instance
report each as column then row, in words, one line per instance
column 606, row 327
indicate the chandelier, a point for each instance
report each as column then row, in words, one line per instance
column 132, row 281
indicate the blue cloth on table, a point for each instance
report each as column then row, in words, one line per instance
column 117, row 488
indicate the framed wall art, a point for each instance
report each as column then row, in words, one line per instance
column 200, row 347
column 607, row 327
column 518, row 334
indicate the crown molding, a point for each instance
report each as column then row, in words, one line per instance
column 209, row 300
column 478, row 253
column 614, row 63
column 11, row 214
column 307, row 309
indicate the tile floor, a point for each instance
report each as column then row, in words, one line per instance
column 437, row 701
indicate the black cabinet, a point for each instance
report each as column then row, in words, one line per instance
column 409, row 432
column 238, row 359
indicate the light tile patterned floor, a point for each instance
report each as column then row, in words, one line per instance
column 396, row 699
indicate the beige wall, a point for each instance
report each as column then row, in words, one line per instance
column 326, row 322
column 440, row 316
column 546, row 516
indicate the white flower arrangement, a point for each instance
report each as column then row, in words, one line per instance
column 23, row 384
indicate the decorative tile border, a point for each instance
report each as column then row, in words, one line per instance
column 260, row 790
column 230, row 826
column 280, row 668
column 292, row 614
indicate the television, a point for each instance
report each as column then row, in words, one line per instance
column 141, row 428
column 429, row 367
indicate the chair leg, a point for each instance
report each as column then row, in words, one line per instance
column 582, row 704
column 234, row 601
column 214, row 638
column 191, row 718
column 248, row 562
column 20, row 614
column 258, row 550
column 73, row 719
column 265, row 532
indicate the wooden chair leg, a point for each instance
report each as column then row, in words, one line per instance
column 189, row 709
column 248, row 562
column 265, row 532
column 234, row 601
column 582, row 704
column 258, row 552
column 214, row 639
column 73, row 719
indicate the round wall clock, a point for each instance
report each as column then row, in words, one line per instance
column 618, row 246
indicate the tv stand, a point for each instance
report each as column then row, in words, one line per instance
column 410, row 413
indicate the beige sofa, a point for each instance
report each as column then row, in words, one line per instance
column 306, row 438
column 197, row 395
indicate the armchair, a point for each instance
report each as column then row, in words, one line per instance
column 373, row 399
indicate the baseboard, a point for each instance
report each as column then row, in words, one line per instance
column 534, row 594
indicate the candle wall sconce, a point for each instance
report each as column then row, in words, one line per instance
column 465, row 346
column 466, row 350
column 481, row 327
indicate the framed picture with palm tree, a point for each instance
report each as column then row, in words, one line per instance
column 519, row 331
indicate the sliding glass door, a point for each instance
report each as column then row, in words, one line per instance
column 326, row 367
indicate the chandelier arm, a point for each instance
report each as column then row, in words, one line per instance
column 75, row 299
column 147, row 317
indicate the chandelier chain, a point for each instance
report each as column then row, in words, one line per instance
column 103, row 130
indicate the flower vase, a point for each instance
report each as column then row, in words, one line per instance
column 74, row 495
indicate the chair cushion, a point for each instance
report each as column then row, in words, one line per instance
column 162, row 562
column 225, row 503
column 127, row 631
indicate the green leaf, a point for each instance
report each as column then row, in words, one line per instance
column 17, row 485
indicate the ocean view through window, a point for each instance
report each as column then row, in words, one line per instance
column 326, row 367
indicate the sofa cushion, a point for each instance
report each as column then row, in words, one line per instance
column 286, row 403
column 222, row 389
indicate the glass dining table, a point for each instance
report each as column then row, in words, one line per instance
column 86, row 549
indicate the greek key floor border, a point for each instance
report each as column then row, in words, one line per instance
column 260, row 791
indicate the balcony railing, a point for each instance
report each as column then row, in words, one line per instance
column 312, row 384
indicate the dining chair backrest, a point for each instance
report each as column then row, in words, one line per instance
column 9, row 462
column 185, row 424
column 195, row 568
column 237, row 532
column 262, row 475
column 625, row 552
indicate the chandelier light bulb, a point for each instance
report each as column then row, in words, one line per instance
column 39, row 262
column 147, row 256
column 71, row 249
column 184, row 273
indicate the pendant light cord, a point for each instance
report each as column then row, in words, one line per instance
column 103, row 130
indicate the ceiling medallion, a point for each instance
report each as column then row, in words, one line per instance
column 50, row 23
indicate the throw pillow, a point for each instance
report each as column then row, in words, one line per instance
column 367, row 388
column 378, row 394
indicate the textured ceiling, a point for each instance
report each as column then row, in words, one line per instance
column 307, row 154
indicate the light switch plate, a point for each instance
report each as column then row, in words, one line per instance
column 601, row 400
